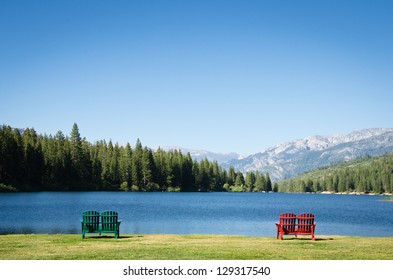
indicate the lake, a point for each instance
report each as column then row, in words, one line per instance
column 251, row 214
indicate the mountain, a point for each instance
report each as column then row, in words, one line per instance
column 202, row 154
column 297, row 156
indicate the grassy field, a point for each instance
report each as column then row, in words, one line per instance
column 192, row 247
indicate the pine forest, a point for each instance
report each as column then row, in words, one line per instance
column 32, row 162
column 35, row 162
column 364, row 175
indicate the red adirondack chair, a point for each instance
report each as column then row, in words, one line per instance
column 287, row 225
column 306, row 225
column 302, row 224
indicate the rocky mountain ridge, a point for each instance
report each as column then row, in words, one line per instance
column 297, row 156
column 202, row 154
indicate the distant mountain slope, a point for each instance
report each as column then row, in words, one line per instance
column 202, row 154
column 297, row 156
column 363, row 175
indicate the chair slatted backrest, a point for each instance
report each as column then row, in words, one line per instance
column 91, row 220
column 305, row 222
column 288, row 222
column 109, row 220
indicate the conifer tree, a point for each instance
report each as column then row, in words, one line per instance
column 161, row 170
column 77, row 155
column 188, row 179
column 250, row 181
column 231, row 176
column 114, row 165
column 147, row 167
column 137, row 164
column 239, row 181
column 11, row 156
column 268, row 183
column 96, row 155
column 126, row 167
column 33, row 158
column 260, row 182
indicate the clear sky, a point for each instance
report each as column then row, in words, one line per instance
column 225, row 76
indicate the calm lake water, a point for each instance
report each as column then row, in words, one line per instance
column 250, row 214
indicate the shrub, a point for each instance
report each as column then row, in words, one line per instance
column 5, row 188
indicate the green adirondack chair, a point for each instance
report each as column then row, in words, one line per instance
column 110, row 223
column 90, row 222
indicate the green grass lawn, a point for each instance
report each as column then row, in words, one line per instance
column 192, row 247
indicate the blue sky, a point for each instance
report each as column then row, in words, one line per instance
column 225, row 76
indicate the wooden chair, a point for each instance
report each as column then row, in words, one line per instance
column 106, row 222
column 90, row 222
column 287, row 225
column 306, row 225
column 110, row 223
column 302, row 224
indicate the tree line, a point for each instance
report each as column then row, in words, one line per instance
column 366, row 175
column 33, row 162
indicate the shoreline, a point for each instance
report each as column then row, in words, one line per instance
column 120, row 191
column 356, row 193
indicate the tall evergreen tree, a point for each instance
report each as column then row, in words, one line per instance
column 260, row 182
column 137, row 164
column 126, row 167
column 96, row 152
column 114, row 165
column 239, row 181
column 268, row 183
column 250, row 181
column 77, row 155
column 11, row 156
column 147, row 169
column 231, row 176
column 188, row 176
column 33, row 158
